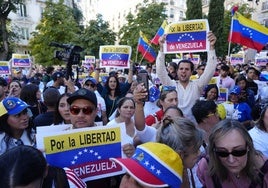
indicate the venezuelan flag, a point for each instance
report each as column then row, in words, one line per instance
column 145, row 49
column 248, row 32
column 159, row 33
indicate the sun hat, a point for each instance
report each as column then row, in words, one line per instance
column 12, row 106
column 83, row 94
column 155, row 165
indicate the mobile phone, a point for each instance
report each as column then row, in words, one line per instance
column 143, row 78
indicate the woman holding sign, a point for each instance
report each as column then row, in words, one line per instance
column 124, row 114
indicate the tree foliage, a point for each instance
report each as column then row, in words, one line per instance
column 194, row 9
column 148, row 20
column 7, row 36
column 95, row 35
column 57, row 25
column 216, row 24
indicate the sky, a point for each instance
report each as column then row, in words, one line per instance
column 109, row 8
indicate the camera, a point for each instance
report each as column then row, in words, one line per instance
column 70, row 54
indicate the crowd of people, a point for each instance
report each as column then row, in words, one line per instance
column 204, row 125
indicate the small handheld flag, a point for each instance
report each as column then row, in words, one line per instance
column 145, row 49
column 159, row 33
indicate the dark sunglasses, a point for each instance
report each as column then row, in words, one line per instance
column 235, row 153
column 168, row 88
column 76, row 110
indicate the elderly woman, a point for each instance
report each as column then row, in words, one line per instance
column 233, row 162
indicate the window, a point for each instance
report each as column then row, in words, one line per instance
column 265, row 22
column 172, row 2
column 205, row 2
column 25, row 33
column 22, row 10
column 264, row 5
column 171, row 15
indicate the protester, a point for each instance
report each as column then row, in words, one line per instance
column 101, row 118
column 113, row 90
column 22, row 166
column 32, row 96
column 259, row 133
column 62, row 112
column 172, row 68
column 205, row 113
column 124, row 114
column 236, row 109
column 51, row 95
column 168, row 97
column 233, row 162
column 199, row 71
column 188, row 91
column 3, row 88
column 15, row 127
column 224, row 80
column 14, row 88
column 251, row 74
column 83, row 110
column 211, row 92
column 247, row 95
column 166, row 162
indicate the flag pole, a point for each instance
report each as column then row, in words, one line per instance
column 144, row 53
column 137, row 51
column 231, row 34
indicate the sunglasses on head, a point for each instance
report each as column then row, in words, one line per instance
column 75, row 110
column 168, row 88
column 235, row 153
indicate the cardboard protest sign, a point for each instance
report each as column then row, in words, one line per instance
column 261, row 61
column 187, row 36
column 4, row 67
column 21, row 60
column 236, row 59
column 115, row 56
column 86, row 150
column 89, row 60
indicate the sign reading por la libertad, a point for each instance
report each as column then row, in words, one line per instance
column 187, row 36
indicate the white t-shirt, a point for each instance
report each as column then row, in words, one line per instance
column 260, row 140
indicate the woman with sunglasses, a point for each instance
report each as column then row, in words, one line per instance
column 168, row 97
column 233, row 162
column 15, row 126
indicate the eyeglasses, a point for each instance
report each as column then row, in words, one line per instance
column 168, row 88
column 235, row 153
column 75, row 110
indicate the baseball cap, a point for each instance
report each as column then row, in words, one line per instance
column 57, row 75
column 83, row 94
column 12, row 106
column 236, row 90
column 154, row 165
column 93, row 80
column 3, row 82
